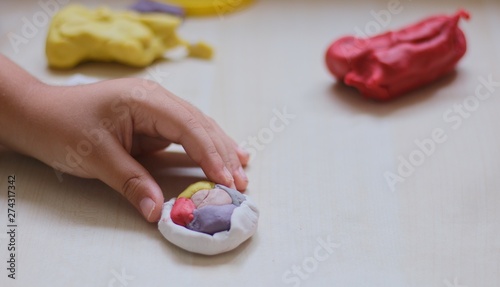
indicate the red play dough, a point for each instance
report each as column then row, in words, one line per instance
column 386, row 66
column 182, row 211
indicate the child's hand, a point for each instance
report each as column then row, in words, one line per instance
column 92, row 131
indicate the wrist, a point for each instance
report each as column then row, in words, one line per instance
column 20, row 101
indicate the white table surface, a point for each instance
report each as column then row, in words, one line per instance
column 320, row 178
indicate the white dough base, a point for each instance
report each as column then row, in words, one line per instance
column 243, row 225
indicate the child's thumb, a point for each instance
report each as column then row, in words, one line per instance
column 124, row 174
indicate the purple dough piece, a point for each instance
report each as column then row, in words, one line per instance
column 146, row 6
column 211, row 219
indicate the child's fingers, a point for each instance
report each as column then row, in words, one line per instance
column 180, row 125
column 184, row 124
column 232, row 159
column 204, row 141
column 124, row 174
column 223, row 144
column 243, row 155
column 200, row 146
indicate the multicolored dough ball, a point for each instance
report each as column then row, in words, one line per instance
column 209, row 218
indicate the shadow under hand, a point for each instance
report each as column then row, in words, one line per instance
column 351, row 98
column 90, row 202
column 173, row 171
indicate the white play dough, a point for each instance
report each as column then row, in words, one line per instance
column 243, row 225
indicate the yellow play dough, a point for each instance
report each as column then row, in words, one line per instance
column 200, row 50
column 195, row 187
column 78, row 34
column 209, row 7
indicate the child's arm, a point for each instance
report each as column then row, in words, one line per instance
column 92, row 131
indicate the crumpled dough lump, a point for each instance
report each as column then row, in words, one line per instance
column 208, row 218
column 78, row 34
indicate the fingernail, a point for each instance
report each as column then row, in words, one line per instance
column 243, row 151
column 147, row 206
column 228, row 175
column 243, row 174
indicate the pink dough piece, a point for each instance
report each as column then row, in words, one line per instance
column 211, row 197
column 182, row 211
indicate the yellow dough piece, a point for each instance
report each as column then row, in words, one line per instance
column 195, row 187
column 201, row 50
column 78, row 34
